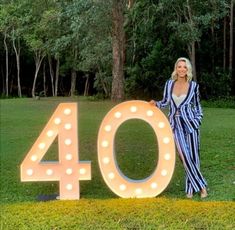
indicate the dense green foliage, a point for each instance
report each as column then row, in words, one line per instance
column 22, row 121
column 57, row 40
column 161, row 31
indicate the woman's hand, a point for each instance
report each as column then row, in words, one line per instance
column 152, row 102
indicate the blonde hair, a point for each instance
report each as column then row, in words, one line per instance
column 189, row 68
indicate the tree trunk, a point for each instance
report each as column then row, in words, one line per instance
column 44, row 79
column 17, row 53
column 74, row 73
column 73, row 82
column 214, row 47
column 52, row 75
column 130, row 3
column 38, row 61
column 224, row 44
column 86, row 85
column 231, row 39
column 194, row 61
column 7, row 64
column 57, row 75
column 192, row 55
column 3, row 82
column 106, row 91
column 192, row 48
column 118, row 36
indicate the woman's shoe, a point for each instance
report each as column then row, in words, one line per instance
column 204, row 193
column 189, row 195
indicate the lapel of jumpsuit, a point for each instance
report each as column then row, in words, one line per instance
column 185, row 110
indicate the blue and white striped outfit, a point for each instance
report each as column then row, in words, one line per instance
column 185, row 121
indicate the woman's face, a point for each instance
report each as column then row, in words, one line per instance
column 181, row 69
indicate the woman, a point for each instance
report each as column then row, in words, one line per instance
column 185, row 115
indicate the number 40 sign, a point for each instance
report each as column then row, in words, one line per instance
column 69, row 170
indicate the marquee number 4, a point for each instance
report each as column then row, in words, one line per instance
column 68, row 171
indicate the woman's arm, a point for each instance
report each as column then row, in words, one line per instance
column 198, row 108
column 166, row 97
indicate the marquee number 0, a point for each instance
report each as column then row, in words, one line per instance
column 116, row 181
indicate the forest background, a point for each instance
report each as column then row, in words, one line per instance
column 114, row 49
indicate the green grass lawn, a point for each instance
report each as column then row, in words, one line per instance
column 22, row 120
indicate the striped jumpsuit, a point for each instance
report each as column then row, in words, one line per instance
column 185, row 121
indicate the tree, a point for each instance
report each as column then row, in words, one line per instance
column 4, row 28
column 11, row 25
column 37, row 47
column 34, row 35
column 90, row 50
column 118, row 43
column 186, row 25
column 149, row 51
column 17, row 47
column 7, row 63
column 55, row 42
column 231, row 38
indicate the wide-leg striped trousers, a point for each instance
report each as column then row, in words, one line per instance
column 188, row 148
